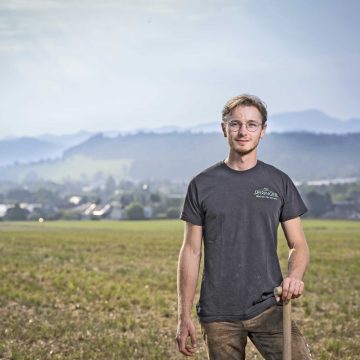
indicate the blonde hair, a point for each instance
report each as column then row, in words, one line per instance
column 245, row 100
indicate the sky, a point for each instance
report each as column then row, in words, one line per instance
column 109, row 65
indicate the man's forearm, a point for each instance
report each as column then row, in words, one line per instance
column 188, row 273
column 298, row 261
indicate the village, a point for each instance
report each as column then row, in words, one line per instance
column 135, row 200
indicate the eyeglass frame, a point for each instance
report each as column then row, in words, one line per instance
column 239, row 125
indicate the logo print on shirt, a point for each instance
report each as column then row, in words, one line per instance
column 266, row 193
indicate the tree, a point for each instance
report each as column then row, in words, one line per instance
column 172, row 213
column 48, row 197
column 17, row 195
column 37, row 213
column 126, row 199
column 134, row 211
column 353, row 194
column 155, row 198
column 110, row 186
column 318, row 203
column 17, row 213
column 126, row 185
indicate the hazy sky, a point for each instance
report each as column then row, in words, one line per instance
column 117, row 65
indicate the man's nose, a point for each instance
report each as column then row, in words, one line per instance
column 242, row 129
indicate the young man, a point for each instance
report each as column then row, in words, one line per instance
column 236, row 206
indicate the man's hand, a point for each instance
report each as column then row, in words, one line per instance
column 292, row 288
column 186, row 328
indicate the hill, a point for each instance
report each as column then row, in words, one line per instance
column 48, row 146
column 179, row 156
column 27, row 149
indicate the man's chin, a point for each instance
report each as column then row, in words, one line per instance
column 244, row 151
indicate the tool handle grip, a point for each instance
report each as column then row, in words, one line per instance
column 278, row 291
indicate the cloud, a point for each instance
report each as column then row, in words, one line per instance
column 88, row 60
column 32, row 4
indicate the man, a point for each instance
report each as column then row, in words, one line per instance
column 236, row 206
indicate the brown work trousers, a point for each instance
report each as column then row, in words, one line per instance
column 226, row 340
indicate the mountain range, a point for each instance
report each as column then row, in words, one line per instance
column 27, row 149
column 309, row 145
column 310, row 121
column 179, row 156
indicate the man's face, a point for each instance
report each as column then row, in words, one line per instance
column 244, row 141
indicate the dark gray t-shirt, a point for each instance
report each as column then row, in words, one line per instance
column 240, row 212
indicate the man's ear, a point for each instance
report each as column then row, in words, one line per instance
column 223, row 127
column 263, row 130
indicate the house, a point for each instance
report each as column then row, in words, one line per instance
column 117, row 211
column 101, row 211
column 77, row 212
column 3, row 210
column 343, row 210
column 148, row 212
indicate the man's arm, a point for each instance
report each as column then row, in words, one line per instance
column 299, row 258
column 188, row 272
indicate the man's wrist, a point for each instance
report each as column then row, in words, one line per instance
column 296, row 275
column 184, row 316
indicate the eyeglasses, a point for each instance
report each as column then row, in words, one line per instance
column 235, row 126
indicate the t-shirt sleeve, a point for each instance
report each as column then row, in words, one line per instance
column 192, row 210
column 293, row 205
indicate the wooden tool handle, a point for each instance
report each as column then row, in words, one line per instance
column 278, row 291
column 286, row 325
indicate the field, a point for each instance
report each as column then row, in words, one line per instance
column 78, row 167
column 107, row 290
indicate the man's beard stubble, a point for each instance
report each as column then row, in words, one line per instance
column 245, row 152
